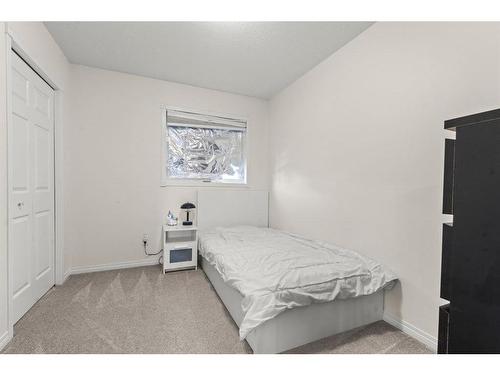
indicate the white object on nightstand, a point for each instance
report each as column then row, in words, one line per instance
column 180, row 247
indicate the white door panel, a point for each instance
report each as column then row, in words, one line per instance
column 42, row 105
column 43, row 193
column 31, row 187
column 20, row 84
column 20, row 196
column 20, row 240
column 44, row 250
column 20, row 156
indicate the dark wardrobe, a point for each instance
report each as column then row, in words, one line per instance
column 470, row 268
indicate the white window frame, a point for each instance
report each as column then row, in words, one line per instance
column 188, row 182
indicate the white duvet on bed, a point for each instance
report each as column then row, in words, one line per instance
column 275, row 271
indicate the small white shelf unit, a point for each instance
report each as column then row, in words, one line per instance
column 180, row 247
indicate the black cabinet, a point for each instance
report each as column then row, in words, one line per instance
column 446, row 261
column 449, row 162
column 444, row 320
column 470, row 271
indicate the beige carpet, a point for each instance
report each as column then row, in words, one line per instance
column 141, row 310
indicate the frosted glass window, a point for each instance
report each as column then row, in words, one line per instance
column 206, row 148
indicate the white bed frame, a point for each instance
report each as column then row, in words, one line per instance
column 293, row 327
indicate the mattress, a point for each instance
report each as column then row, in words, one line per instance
column 275, row 271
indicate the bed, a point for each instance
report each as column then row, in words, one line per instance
column 283, row 290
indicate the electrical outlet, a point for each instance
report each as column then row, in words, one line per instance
column 145, row 238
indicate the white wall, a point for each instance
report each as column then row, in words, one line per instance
column 357, row 147
column 4, row 328
column 46, row 56
column 113, row 160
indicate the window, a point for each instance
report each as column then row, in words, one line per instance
column 205, row 148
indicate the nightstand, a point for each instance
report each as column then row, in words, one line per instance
column 180, row 247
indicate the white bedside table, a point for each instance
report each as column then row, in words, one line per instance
column 180, row 247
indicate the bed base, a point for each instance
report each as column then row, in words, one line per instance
column 301, row 325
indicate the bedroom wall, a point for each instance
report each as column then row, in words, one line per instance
column 4, row 328
column 357, row 148
column 36, row 41
column 113, row 163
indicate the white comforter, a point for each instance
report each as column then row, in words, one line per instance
column 275, row 271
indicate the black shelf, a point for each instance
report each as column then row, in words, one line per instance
column 446, row 257
column 474, row 119
column 470, row 269
column 444, row 321
column 449, row 161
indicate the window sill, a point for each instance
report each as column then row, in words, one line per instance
column 189, row 183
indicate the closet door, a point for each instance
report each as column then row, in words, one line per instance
column 31, row 187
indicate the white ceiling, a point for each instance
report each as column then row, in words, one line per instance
column 250, row 58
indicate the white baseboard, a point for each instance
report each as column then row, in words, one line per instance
column 113, row 266
column 419, row 335
column 4, row 339
column 66, row 275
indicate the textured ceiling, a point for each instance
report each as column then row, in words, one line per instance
column 250, row 58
